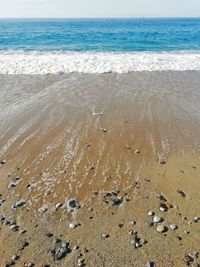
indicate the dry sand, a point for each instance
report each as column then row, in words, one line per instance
column 121, row 145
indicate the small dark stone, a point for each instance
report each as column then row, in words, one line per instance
column 25, row 244
column 150, row 224
column 161, row 197
column 72, row 204
column 111, row 193
column 7, row 222
column 105, row 235
column 117, row 201
column 49, row 234
column 150, row 264
column 181, row 193
column 28, row 186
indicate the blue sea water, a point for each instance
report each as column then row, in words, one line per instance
column 101, row 35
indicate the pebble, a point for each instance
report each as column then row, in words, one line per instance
column 28, row 186
column 14, row 227
column 44, row 208
column 157, row 219
column 138, row 241
column 15, row 257
column 72, row 225
column 2, row 201
column 61, row 251
column 2, row 218
column 22, row 231
column 132, row 222
column 81, row 261
column 160, row 228
column 150, row 213
column 196, row 219
column 137, row 151
column 7, row 222
column 3, row 161
column 162, row 161
column 150, row 224
column 161, row 197
column 49, row 234
column 104, row 235
column 72, row 205
column 15, row 181
column 173, row 226
column 11, row 185
column 135, row 243
column 193, row 254
column 56, row 240
column 181, row 193
column 163, row 207
column 58, row 205
column 16, row 178
column 188, row 259
column 19, row 204
column 25, row 244
column 150, row 264
column 183, row 217
column 30, row 264
column 117, row 201
column 112, row 193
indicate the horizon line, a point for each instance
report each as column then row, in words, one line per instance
column 139, row 17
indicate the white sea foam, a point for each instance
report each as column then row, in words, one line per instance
column 95, row 62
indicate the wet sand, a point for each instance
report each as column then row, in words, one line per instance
column 121, row 145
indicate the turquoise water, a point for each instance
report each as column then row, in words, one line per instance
column 102, row 35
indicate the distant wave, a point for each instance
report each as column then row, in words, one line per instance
column 19, row 62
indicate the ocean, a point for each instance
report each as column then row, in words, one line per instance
column 41, row 46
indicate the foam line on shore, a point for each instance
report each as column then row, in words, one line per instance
column 19, row 62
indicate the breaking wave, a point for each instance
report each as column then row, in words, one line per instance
column 19, row 62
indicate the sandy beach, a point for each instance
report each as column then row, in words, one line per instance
column 100, row 169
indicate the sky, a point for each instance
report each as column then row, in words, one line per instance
column 98, row 8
